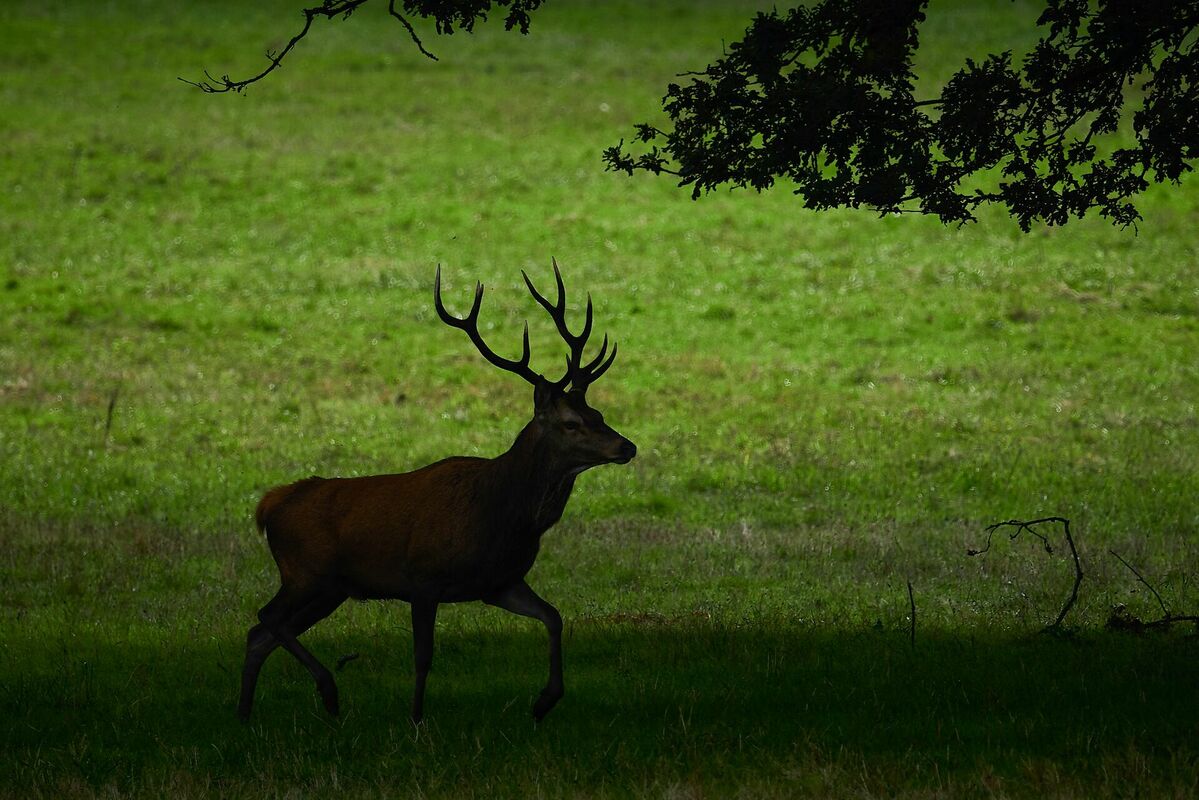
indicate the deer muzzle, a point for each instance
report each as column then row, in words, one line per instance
column 625, row 451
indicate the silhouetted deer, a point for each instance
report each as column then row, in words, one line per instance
column 458, row 530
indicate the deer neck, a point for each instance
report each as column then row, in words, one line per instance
column 532, row 483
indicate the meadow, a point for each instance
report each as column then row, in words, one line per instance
column 202, row 297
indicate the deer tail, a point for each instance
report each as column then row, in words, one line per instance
column 277, row 497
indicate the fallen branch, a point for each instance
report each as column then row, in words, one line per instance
column 1020, row 526
column 1121, row 618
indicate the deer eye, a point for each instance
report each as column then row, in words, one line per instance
column 571, row 425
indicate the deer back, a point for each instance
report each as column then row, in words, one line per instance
column 455, row 529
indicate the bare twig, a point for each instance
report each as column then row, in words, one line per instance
column 391, row 9
column 328, row 9
column 1166, row 622
column 1077, row 574
column 1141, row 578
column 346, row 659
column 912, row 619
column 112, row 407
column 1020, row 526
column 215, row 85
column 1167, row 619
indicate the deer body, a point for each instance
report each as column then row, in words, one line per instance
column 461, row 529
column 450, row 532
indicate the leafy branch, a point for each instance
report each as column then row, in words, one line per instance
column 822, row 96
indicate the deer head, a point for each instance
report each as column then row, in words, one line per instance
column 573, row 432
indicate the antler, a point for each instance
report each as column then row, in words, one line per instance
column 470, row 324
column 579, row 376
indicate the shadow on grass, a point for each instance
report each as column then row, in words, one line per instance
column 646, row 706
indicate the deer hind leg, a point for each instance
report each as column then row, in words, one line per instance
column 520, row 599
column 259, row 644
column 424, row 616
column 284, row 618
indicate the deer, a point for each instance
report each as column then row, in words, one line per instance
column 462, row 529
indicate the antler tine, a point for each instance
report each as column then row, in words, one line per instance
column 587, row 321
column 576, row 342
column 561, row 288
column 557, row 312
column 588, row 376
column 600, row 357
column 470, row 324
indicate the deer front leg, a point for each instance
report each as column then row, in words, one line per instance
column 424, row 615
column 520, row 599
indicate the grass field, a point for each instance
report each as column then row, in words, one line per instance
column 827, row 407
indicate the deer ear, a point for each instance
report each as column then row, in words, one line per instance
column 543, row 393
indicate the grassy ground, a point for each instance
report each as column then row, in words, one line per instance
column 827, row 406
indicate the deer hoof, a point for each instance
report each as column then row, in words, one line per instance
column 544, row 704
column 329, row 696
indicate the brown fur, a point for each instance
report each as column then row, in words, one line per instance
column 274, row 497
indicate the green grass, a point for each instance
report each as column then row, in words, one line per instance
column 826, row 406
column 656, row 708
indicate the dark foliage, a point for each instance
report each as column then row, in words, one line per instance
column 822, row 96
column 447, row 16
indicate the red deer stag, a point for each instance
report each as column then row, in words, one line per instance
column 458, row 530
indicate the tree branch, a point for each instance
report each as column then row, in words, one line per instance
column 329, row 9
column 833, row 79
column 391, row 9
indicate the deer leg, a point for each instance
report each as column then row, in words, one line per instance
column 424, row 615
column 274, row 616
column 520, row 599
column 260, row 643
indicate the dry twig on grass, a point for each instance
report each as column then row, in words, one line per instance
column 112, row 407
column 1121, row 619
column 1020, row 526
